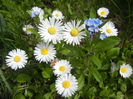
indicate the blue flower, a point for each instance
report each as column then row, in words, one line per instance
column 35, row 13
column 102, row 36
column 92, row 24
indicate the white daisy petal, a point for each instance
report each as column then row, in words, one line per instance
column 126, row 70
column 66, row 85
column 103, row 12
column 16, row 59
column 109, row 29
column 44, row 52
column 51, row 30
column 57, row 15
column 73, row 32
column 62, row 67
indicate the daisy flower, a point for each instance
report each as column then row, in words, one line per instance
column 109, row 29
column 103, row 12
column 73, row 32
column 44, row 52
column 66, row 85
column 16, row 59
column 51, row 30
column 27, row 29
column 126, row 70
column 36, row 11
column 57, row 15
column 62, row 67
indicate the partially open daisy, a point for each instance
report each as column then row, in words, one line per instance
column 66, row 85
column 103, row 12
column 109, row 29
column 62, row 67
column 27, row 29
column 57, row 15
column 36, row 11
column 126, row 70
column 73, row 32
column 51, row 30
column 16, row 59
column 44, row 52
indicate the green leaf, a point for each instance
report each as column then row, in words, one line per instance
column 120, row 95
column 33, row 31
column 106, row 44
column 92, row 13
column 80, row 82
column 2, row 23
column 120, row 62
column 52, row 87
column 47, row 72
column 38, row 96
column 48, row 96
column 105, row 92
column 112, row 53
column 77, row 96
column 23, row 78
column 96, row 61
column 65, row 51
column 123, row 87
column 92, row 90
column 29, row 93
column 69, row 9
column 96, row 74
column 19, row 96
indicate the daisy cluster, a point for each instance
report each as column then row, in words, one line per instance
column 93, row 25
column 66, row 84
column 53, row 30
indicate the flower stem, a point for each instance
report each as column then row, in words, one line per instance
column 4, row 80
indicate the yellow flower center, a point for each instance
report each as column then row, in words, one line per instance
column 44, row 51
column 124, row 69
column 103, row 13
column 17, row 59
column 51, row 30
column 62, row 68
column 109, row 30
column 74, row 32
column 57, row 15
column 66, row 84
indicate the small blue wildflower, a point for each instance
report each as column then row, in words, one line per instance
column 92, row 24
column 102, row 36
column 34, row 13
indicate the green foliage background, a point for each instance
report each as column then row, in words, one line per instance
column 91, row 61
